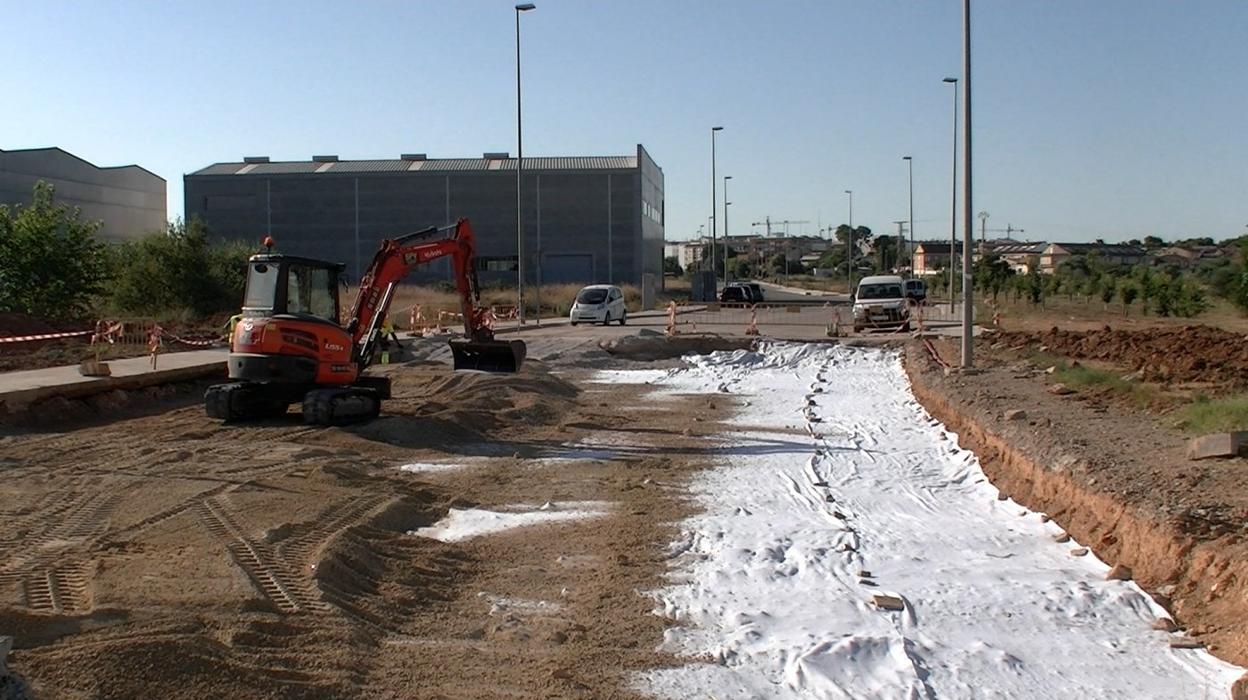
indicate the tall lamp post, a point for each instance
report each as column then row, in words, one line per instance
column 726, row 203
column 953, row 211
column 714, row 223
column 849, row 247
column 523, row 7
column 968, row 307
column 910, row 166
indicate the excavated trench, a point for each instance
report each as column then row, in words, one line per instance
column 1203, row 582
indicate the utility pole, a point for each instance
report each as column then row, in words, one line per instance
column 849, row 247
column 726, row 203
column 714, row 228
column 968, row 306
column 901, row 242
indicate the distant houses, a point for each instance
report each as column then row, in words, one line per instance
column 933, row 256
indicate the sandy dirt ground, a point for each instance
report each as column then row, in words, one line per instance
column 168, row 555
column 1115, row 475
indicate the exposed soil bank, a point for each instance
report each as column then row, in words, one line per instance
column 1193, row 561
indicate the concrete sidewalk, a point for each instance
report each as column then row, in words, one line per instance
column 19, row 389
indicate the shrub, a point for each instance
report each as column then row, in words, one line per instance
column 178, row 270
column 51, row 264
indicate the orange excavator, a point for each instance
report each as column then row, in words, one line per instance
column 288, row 347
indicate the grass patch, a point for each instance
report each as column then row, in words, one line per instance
column 1214, row 415
column 1082, row 376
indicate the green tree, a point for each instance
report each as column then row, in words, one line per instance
column 740, row 268
column 1127, row 292
column 1189, row 298
column 778, row 264
column 671, row 266
column 180, row 269
column 991, row 274
column 51, row 263
column 886, row 252
column 1108, row 288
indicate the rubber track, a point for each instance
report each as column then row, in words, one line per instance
column 282, row 587
column 299, row 549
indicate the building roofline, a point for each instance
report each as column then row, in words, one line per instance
column 83, row 160
column 343, row 165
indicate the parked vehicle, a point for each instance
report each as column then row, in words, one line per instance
column 916, row 289
column 598, row 303
column 753, row 291
column 736, row 294
column 880, row 302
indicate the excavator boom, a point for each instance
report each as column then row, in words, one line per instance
column 477, row 349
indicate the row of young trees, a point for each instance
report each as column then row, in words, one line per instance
column 53, row 266
column 1164, row 291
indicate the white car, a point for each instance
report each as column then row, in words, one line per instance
column 880, row 302
column 598, row 303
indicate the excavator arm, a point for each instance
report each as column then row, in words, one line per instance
column 394, row 260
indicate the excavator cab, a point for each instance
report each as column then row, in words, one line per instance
column 279, row 285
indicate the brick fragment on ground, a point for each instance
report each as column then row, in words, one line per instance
column 1165, row 624
column 1119, row 573
column 1218, row 445
column 888, row 602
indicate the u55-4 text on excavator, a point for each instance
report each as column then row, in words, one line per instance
column 288, row 347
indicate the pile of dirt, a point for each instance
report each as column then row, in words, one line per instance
column 433, row 407
column 1187, row 354
column 648, row 347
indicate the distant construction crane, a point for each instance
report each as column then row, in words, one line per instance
column 767, row 222
column 1009, row 229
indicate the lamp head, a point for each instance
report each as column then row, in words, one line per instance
column 525, row 7
column 950, row 80
column 717, row 128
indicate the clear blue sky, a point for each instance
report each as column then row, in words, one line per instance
column 1108, row 119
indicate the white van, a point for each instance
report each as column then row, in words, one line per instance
column 880, row 302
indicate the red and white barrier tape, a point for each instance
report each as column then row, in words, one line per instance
column 44, row 336
column 196, row 343
column 111, row 334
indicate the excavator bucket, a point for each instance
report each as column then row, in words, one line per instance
column 488, row 355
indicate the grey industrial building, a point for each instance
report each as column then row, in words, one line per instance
column 586, row 219
column 128, row 200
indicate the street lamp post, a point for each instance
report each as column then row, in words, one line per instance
column 910, row 164
column 523, row 7
column 714, row 223
column 726, row 203
column 968, row 308
column 953, row 211
column 849, row 247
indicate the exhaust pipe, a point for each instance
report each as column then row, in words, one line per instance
column 488, row 355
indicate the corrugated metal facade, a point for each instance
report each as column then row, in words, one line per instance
column 586, row 218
